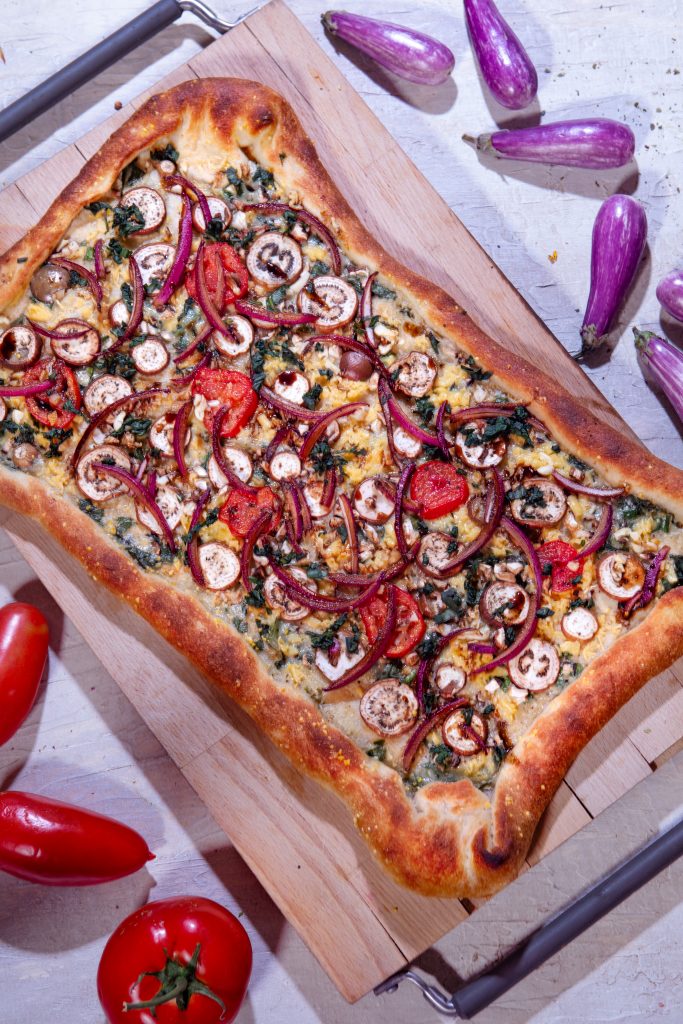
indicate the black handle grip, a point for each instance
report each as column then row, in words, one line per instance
column 85, row 67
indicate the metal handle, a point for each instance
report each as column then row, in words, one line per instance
column 553, row 935
column 103, row 55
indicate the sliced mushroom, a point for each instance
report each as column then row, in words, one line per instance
column 476, row 508
column 161, row 434
column 539, row 509
column 171, row 505
column 285, row 465
column 450, row 679
column 151, row 205
column 406, row 444
column 331, row 300
column 415, row 374
column 154, row 260
column 579, row 624
column 355, row 366
column 389, row 708
column 50, row 282
column 150, row 357
column 508, row 569
column 504, row 604
column 292, row 386
column 277, row 598
column 313, row 493
column 219, row 564
column 456, row 732
column 621, row 575
column 24, row 455
column 3, row 409
column 19, row 348
column 118, row 314
column 76, row 351
column 437, row 550
column 274, row 259
column 101, row 486
column 239, row 462
column 241, row 336
column 336, row 662
column 374, row 500
column 218, row 209
column 479, row 455
column 104, row 391
column 536, row 668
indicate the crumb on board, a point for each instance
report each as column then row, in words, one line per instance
column 117, row 105
column 552, row 257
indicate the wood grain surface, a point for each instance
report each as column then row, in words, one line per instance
column 296, row 837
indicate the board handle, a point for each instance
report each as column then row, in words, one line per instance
column 553, row 935
column 102, row 56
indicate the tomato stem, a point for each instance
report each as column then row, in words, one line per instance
column 163, row 996
column 178, row 982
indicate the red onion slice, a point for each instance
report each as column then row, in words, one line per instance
column 295, row 509
column 347, row 515
column 329, row 488
column 478, row 647
column 316, row 225
column 601, row 534
column 137, row 396
column 392, row 572
column 378, row 649
column 495, row 500
column 26, row 390
column 366, row 311
column 644, row 596
column 279, row 438
column 599, row 493
column 219, row 455
column 194, row 345
column 138, row 304
column 297, row 412
column 192, row 544
column 181, row 382
column 100, row 268
column 403, row 480
column 319, row 428
column 259, row 527
column 140, row 493
column 182, row 255
column 319, row 602
column 440, row 431
column 179, row 434
column 419, row 433
column 269, row 316
column 488, row 412
column 54, row 334
column 206, row 302
column 93, row 283
column 426, row 663
column 189, row 186
column 354, row 346
column 426, row 726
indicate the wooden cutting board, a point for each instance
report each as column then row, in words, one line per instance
column 297, row 837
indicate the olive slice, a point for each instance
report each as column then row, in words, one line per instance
column 331, row 300
column 278, row 599
column 274, row 259
column 151, row 205
column 150, row 357
column 389, row 708
column 50, row 282
column 536, row 668
column 19, row 348
column 456, row 732
column 415, row 374
column 621, row 575
column 373, row 500
column 76, row 351
column 504, row 604
column 104, row 391
column 219, row 564
column 101, row 486
column 543, row 503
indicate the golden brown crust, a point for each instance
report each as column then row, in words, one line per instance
column 449, row 839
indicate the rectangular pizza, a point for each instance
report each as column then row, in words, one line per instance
column 423, row 567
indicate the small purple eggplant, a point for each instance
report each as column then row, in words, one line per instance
column 596, row 143
column 665, row 364
column 504, row 63
column 670, row 293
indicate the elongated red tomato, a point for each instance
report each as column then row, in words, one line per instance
column 224, row 269
column 184, row 960
column 23, row 653
column 438, row 489
column 231, row 388
column 410, row 626
column 54, row 843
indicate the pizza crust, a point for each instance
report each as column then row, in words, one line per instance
column 449, row 839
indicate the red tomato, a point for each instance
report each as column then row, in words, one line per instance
column 53, row 843
column 221, row 257
column 231, row 388
column 558, row 553
column 23, row 653
column 410, row 626
column 158, row 947
column 49, row 408
column 438, row 488
column 240, row 511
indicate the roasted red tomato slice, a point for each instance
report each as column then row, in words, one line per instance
column 55, row 408
column 438, row 489
column 410, row 626
column 241, row 511
column 222, row 265
column 566, row 563
column 231, row 388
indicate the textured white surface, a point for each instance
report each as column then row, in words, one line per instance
column 83, row 742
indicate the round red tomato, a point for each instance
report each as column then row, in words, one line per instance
column 438, row 489
column 556, row 552
column 410, row 626
column 241, row 511
column 184, row 960
column 231, row 388
column 55, row 408
column 567, row 566
column 225, row 271
column 23, row 653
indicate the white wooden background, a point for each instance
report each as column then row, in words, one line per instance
column 84, row 742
